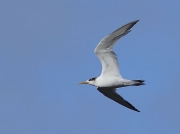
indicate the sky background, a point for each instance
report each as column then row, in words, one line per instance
column 46, row 48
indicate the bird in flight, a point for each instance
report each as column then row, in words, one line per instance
column 110, row 78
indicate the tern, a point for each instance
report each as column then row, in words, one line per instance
column 110, row 79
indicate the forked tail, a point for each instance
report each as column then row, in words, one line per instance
column 138, row 82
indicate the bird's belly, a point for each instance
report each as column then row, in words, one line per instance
column 113, row 82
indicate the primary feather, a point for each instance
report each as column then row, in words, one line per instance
column 105, row 53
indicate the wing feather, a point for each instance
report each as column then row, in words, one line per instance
column 105, row 53
column 111, row 93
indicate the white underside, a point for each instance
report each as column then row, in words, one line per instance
column 111, row 82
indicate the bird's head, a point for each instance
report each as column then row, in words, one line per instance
column 90, row 81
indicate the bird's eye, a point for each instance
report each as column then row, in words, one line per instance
column 92, row 79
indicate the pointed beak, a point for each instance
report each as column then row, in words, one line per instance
column 83, row 82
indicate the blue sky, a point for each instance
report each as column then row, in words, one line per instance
column 46, row 48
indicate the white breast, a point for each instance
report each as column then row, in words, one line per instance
column 111, row 81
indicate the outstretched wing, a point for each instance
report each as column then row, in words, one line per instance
column 111, row 93
column 104, row 50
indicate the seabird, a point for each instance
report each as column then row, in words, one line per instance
column 110, row 79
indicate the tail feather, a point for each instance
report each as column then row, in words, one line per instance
column 138, row 82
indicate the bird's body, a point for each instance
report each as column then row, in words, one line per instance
column 106, row 81
column 110, row 78
column 111, row 82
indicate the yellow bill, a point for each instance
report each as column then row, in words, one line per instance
column 83, row 82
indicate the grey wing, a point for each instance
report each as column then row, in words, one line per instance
column 111, row 93
column 104, row 50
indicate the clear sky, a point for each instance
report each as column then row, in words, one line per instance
column 46, row 48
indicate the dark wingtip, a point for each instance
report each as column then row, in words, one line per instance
column 135, row 21
column 135, row 109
